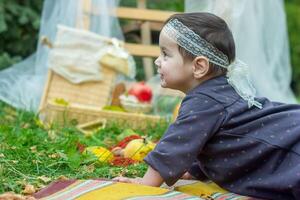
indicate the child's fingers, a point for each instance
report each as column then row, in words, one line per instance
column 137, row 180
column 122, row 179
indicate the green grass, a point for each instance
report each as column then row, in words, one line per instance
column 30, row 154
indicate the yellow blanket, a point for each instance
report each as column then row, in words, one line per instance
column 110, row 190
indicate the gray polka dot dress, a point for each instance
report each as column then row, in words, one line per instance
column 249, row 151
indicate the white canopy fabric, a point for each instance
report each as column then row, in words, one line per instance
column 22, row 84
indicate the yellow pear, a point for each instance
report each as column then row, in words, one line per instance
column 137, row 149
column 151, row 145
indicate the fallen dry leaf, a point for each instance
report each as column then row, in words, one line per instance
column 29, row 189
column 13, row 196
column 63, row 178
column 89, row 168
column 33, row 149
column 54, row 155
column 25, row 125
column 45, row 179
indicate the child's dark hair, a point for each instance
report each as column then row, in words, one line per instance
column 214, row 30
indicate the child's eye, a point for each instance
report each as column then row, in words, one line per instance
column 164, row 53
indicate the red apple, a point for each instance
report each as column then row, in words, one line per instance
column 141, row 91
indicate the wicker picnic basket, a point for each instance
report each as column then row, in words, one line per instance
column 84, row 102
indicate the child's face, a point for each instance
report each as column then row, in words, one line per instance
column 174, row 72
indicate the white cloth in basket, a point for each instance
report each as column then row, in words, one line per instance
column 78, row 55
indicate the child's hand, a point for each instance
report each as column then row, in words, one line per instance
column 122, row 179
column 151, row 178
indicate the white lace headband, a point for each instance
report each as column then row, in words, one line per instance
column 237, row 72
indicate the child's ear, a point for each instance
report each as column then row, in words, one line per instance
column 200, row 66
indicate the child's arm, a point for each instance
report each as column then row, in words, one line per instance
column 180, row 145
column 151, row 178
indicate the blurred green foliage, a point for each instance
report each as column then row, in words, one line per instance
column 20, row 20
column 293, row 21
column 174, row 5
column 19, row 25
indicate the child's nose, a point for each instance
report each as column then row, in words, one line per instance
column 157, row 62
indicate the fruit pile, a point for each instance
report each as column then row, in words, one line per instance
column 131, row 148
column 137, row 98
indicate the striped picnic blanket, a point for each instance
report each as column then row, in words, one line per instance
column 110, row 190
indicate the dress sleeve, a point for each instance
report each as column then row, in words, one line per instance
column 199, row 118
column 196, row 172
